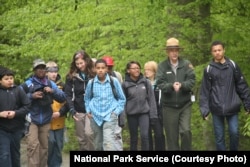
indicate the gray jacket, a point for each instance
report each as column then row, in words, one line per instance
column 140, row 97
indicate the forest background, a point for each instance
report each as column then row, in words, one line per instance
column 127, row 30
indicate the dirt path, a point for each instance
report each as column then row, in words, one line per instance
column 24, row 156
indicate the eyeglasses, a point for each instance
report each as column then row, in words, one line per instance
column 136, row 68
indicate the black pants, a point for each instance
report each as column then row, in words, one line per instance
column 156, row 137
column 138, row 123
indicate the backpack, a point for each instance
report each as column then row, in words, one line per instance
column 112, row 87
column 231, row 64
column 117, row 75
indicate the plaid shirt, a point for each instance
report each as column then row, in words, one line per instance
column 101, row 102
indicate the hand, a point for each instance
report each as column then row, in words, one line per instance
column 75, row 116
column 48, row 89
column 177, row 86
column 89, row 115
column 37, row 95
column 11, row 114
column 72, row 112
column 55, row 115
column 205, row 117
column 4, row 114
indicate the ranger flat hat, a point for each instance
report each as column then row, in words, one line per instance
column 172, row 43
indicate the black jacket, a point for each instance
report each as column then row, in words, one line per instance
column 75, row 90
column 222, row 89
column 165, row 77
column 14, row 99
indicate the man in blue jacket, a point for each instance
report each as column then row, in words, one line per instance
column 41, row 92
column 222, row 89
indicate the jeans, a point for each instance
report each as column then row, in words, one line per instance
column 10, row 148
column 56, row 138
column 105, row 136
column 141, row 120
column 219, row 132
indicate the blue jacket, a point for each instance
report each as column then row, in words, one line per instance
column 41, row 114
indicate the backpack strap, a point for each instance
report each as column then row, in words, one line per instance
column 73, row 89
column 208, row 69
column 111, row 84
column 233, row 63
column 91, row 88
column 113, row 88
column 236, row 73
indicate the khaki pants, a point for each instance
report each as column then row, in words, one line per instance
column 37, row 145
column 84, row 132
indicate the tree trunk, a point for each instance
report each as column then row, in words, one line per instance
column 206, row 37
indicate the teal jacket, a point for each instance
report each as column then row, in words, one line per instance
column 165, row 77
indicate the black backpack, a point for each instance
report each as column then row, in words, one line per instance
column 47, row 98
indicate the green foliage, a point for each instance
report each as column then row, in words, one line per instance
column 72, row 143
column 246, row 128
column 127, row 30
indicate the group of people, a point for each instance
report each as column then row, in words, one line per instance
column 157, row 104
